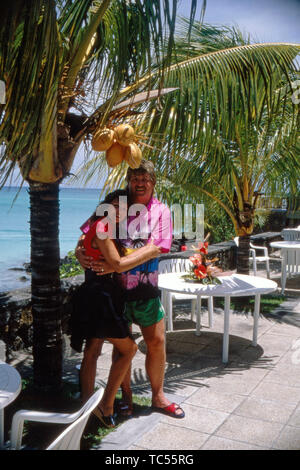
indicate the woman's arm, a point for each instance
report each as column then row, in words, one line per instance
column 120, row 264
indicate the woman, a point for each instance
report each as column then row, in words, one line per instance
column 99, row 307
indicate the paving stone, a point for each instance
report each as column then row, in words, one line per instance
column 265, row 410
column 270, row 344
column 277, row 392
column 219, row 443
column 295, row 418
column 198, row 419
column 207, row 398
column 249, row 372
column 233, row 385
column 165, row 436
column 291, row 357
column 136, row 448
column 289, row 439
column 291, row 378
column 252, row 431
column 281, row 329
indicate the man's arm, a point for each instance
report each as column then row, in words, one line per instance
column 161, row 226
column 84, row 261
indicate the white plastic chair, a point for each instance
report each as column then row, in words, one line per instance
column 70, row 438
column 258, row 259
column 292, row 234
column 182, row 265
column 290, row 265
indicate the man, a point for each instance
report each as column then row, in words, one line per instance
column 151, row 223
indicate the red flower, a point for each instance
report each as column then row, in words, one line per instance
column 200, row 272
column 196, row 259
column 202, row 247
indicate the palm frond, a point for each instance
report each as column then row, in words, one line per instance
column 30, row 67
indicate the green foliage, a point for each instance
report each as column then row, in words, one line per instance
column 70, row 266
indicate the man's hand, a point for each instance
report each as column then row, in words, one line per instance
column 84, row 261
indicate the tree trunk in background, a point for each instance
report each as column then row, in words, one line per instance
column 243, row 255
column 45, row 285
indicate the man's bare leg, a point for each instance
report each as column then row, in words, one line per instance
column 154, row 337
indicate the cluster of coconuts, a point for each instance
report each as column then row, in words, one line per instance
column 118, row 144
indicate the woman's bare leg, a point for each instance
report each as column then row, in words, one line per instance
column 125, row 385
column 126, row 349
column 88, row 367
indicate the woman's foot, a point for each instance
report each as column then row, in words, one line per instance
column 125, row 406
column 107, row 421
column 124, row 409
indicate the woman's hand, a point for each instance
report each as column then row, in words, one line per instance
column 101, row 267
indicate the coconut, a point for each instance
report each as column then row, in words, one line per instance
column 124, row 134
column 133, row 155
column 115, row 154
column 103, row 139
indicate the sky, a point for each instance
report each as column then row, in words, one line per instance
column 265, row 20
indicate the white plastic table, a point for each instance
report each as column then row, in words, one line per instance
column 10, row 387
column 236, row 285
column 290, row 253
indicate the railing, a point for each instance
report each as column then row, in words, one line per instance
column 290, row 204
column 268, row 202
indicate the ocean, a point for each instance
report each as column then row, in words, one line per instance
column 76, row 205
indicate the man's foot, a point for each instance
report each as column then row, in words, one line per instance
column 173, row 410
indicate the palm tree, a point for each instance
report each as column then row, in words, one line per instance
column 231, row 126
column 66, row 65
column 254, row 150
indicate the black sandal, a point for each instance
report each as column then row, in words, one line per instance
column 124, row 409
column 107, row 421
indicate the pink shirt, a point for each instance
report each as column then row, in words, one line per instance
column 153, row 222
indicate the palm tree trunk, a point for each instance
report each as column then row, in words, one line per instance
column 45, row 284
column 243, row 255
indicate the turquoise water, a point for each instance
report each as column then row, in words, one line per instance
column 76, row 205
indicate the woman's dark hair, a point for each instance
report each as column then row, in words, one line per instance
column 109, row 198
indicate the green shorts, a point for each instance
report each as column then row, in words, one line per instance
column 144, row 312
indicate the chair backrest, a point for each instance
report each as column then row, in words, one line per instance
column 293, row 261
column 291, row 234
column 70, row 438
column 174, row 265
